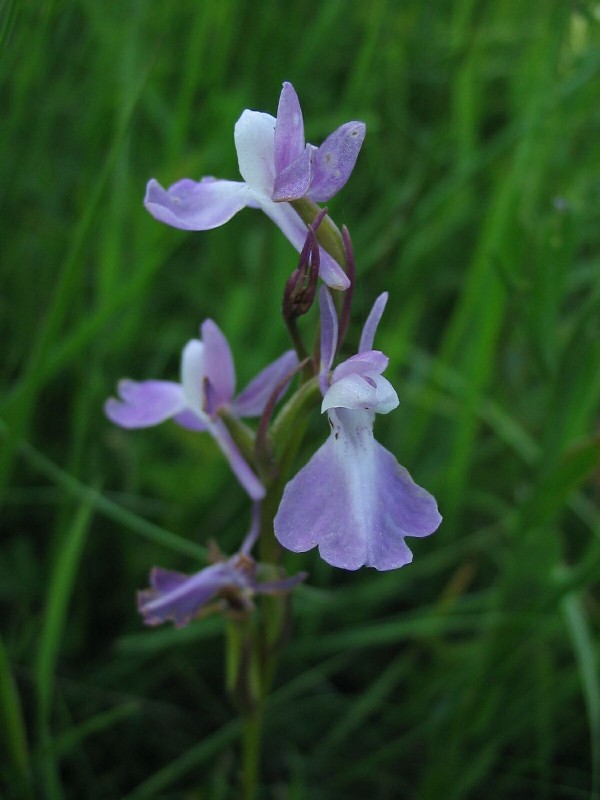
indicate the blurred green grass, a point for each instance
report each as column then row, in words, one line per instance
column 475, row 202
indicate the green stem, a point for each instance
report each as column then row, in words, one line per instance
column 308, row 369
column 328, row 234
column 251, row 741
column 253, row 650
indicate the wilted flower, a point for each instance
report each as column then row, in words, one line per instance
column 353, row 499
column 207, row 386
column 231, row 583
column 277, row 166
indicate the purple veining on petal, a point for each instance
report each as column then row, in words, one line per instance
column 196, row 205
column 289, row 128
column 219, row 371
column 370, row 326
column 253, row 399
column 335, row 159
column 144, row 403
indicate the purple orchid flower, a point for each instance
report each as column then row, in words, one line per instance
column 207, row 386
column 277, row 166
column 232, row 583
column 353, row 499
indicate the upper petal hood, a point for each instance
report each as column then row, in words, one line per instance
column 254, row 136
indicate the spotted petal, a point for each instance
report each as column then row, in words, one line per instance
column 335, row 159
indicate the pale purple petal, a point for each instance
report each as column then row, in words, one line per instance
column 368, row 391
column 192, row 375
column 196, row 205
column 289, row 128
column 254, row 531
column 253, row 399
column 145, row 403
column 354, row 501
column 178, row 597
column 293, row 181
column 370, row 326
column 218, row 366
column 371, row 361
column 329, row 335
column 386, row 397
column 352, row 391
column 238, row 464
column 189, row 420
column 286, row 219
column 254, row 136
column 335, row 159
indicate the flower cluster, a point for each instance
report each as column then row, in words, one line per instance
column 352, row 499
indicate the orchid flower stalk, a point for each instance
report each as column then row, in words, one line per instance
column 352, row 500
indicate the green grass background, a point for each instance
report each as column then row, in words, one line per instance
column 472, row 673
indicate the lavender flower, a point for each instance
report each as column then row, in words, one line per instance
column 232, row 583
column 207, row 386
column 353, row 499
column 277, row 166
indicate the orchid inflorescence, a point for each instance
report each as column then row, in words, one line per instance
column 352, row 499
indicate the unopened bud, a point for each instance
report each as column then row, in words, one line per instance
column 301, row 287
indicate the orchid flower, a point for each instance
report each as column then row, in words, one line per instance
column 353, row 499
column 277, row 167
column 207, row 386
column 231, row 583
